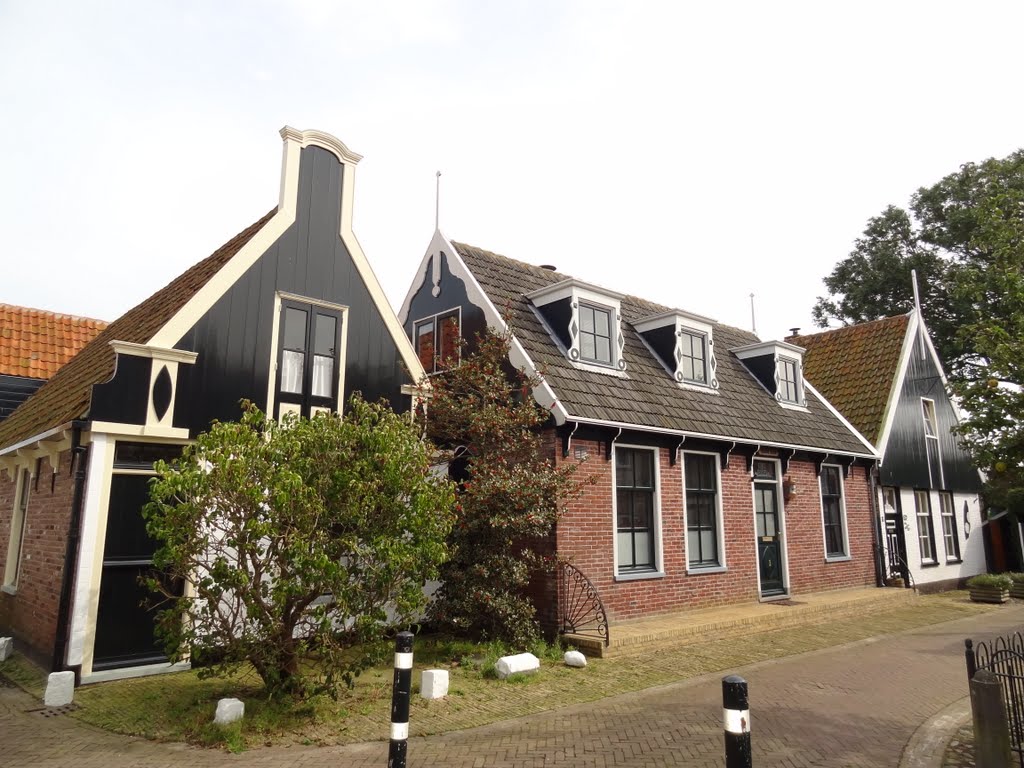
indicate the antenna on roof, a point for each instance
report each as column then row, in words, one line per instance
column 437, row 203
column 917, row 309
column 753, row 323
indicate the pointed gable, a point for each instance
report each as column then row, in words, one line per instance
column 855, row 367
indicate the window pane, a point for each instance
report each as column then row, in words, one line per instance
column 642, row 543
column 624, row 468
column 425, row 345
column 625, row 549
column 601, row 322
column 643, row 510
column 326, row 335
column 291, row 371
column 586, row 319
column 708, row 545
column 588, row 347
column 294, row 329
column 323, row 376
column 448, row 328
column 644, row 469
column 603, row 352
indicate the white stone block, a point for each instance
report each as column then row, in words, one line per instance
column 60, row 689
column 521, row 662
column 434, row 683
column 229, row 710
column 575, row 659
column 6, row 648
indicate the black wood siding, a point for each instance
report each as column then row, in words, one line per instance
column 14, row 390
column 233, row 338
column 453, row 294
column 125, row 398
column 906, row 462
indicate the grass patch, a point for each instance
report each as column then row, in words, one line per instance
column 180, row 707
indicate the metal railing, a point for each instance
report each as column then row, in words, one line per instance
column 582, row 612
column 1004, row 657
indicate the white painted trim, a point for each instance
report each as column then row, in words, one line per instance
column 720, row 438
column 314, row 138
column 832, row 409
column 762, row 348
column 847, row 554
column 659, row 549
column 16, row 537
column 719, row 515
column 889, row 415
column 125, row 673
column 135, row 430
column 571, row 287
column 476, row 295
column 34, row 439
column 156, row 353
column 85, row 605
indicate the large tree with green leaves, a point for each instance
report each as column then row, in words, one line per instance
column 307, row 537
column 482, row 412
column 943, row 233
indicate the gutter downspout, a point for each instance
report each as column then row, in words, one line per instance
column 876, row 530
column 79, row 459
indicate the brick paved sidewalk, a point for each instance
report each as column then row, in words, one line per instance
column 855, row 705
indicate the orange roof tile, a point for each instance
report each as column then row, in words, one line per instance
column 35, row 343
column 854, row 368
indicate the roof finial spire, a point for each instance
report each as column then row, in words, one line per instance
column 917, row 310
column 753, row 323
column 437, row 203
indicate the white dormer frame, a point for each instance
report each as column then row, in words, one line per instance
column 780, row 351
column 686, row 323
column 584, row 293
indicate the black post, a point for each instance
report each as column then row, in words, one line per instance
column 400, row 700
column 972, row 663
column 736, row 717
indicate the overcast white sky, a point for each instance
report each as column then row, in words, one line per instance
column 689, row 153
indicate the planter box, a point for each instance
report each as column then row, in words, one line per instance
column 989, row 595
column 1017, row 590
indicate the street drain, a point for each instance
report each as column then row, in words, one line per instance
column 53, row 711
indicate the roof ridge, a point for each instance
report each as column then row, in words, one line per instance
column 57, row 315
column 866, row 323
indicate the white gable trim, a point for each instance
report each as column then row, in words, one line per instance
column 439, row 244
column 889, row 415
column 838, row 415
column 294, row 141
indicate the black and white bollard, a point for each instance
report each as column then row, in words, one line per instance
column 736, row 717
column 400, row 700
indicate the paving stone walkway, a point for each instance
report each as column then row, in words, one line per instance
column 855, row 705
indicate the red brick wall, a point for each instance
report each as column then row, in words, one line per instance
column 586, row 530
column 31, row 615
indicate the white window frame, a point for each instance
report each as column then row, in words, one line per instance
column 930, row 422
column 846, row 555
column 16, row 543
column 929, row 529
column 612, row 332
column 781, row 361
column 579, row 293
column 948, row 517
column 656, row 527
column 445, row 314
column 719, row 517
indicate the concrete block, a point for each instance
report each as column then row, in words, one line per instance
column 6, row 648
column 575, row 659
column 229, row 710
column 60, row 689
column 520, row 663
column 434, row 683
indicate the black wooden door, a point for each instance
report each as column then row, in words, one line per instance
column 769, row 536
column 125, row 618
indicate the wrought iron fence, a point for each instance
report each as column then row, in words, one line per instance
column 1004, row 657
column 582, row 612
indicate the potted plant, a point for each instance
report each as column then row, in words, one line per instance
column 1017, row 588
column 990, row 587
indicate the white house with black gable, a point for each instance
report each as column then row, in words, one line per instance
column 720, row 475
column 287, row 314
column 886, row 378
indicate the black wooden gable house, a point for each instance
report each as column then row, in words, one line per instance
column 287, row 314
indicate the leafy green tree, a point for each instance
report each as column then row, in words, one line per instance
column 989, row 387
column 312, row 536
column 509, row 497
column 943, row 234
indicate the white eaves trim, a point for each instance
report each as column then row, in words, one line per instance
column 832, row 409
column 439, row 244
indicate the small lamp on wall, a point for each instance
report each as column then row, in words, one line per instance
column 788, row 488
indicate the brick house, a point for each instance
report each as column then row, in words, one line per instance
column 288, row 314
column 886, row 378
column 34, row 344
column 720, row 474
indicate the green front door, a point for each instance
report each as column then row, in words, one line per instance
column 769, row 530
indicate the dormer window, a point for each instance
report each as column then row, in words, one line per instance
column 684, row 345
column 595, row 334
column 437, row 340
column 789, row 388
column 586, row 320
column 779, row 367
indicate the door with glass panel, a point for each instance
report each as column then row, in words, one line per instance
column 769, row 529
column 307, row 369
